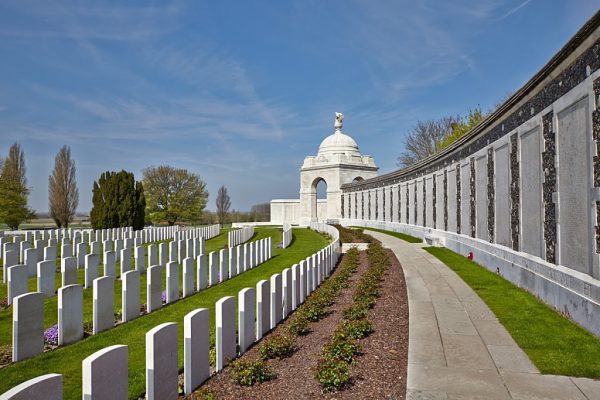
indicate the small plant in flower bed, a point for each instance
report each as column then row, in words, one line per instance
column 298, row 325
column 333, row 370
column 334, row 375
column 353, row 235
column 341, row 347
column 4, row 303
column 203, row 394
column 277, row 346
column 51, row 335
column 355, row 312
column 356, row 329
column 247, row 373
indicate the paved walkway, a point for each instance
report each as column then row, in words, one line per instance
column 458, row 349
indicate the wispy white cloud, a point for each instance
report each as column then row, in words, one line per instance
column 87, row 20
column 513, row 10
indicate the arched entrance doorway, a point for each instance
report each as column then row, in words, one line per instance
column 319, row 199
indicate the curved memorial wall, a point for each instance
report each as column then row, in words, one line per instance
column 521, row 190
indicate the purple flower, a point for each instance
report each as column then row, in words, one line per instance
column 51, row 335
column 164, row 296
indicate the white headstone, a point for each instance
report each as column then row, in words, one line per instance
column 104, row 373
column 263, row 308
column 196, row 360
column 81, row 252
column 125, row 260
column 110, row 264
column 50, row 253
column 28, row 326
column 302, row 292
column 17, row 282
column 246, row 314
column 46, row 277
column 188, row 277
column 172, row 282
column 68, row 270
column 70, row 314
column 140, row 259
column 213, row 268
column 239, row 257
column 103, row 304
column 46, row 387
column 287, row 291
column 10, row 259
column 91, row 269
column 162, row 369
column 163, row 254
column 201, row 273
column 130, row 295
column 225, row 331
column 153, row 255
column 154, row 288
column 276, row 300
column 295, row 286
column 172, row 251
column 223, row 265
column 31, row 260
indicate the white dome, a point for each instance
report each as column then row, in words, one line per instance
column 338, row 143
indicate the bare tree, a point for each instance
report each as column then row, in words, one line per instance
column 223, row 204
column 424, row 139
column 63, row 195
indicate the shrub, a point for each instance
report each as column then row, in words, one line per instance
column 355, row 312
column 357, row 329
column 247, row 373
column 277, row 346
column 341, row 347
column 333, row 375
column 298, row 325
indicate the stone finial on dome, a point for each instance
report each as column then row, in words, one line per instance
column 339, row 118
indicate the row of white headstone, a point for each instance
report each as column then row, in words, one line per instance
column 287, row 235
column 28, row 309
column 76, row 241
column 239, row 236
column 105, row 372
column 129, row 252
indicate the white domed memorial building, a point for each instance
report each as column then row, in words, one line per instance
column 337, row 162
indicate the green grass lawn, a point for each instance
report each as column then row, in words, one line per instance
column 402, row 236
column 51, row 303
column 67, row 360
column 554, row 344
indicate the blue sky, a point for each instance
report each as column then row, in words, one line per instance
column 241, row 91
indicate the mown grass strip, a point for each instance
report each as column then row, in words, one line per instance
column 51, row 303
column 554, row 344
column 67, row 360
column 402, row 236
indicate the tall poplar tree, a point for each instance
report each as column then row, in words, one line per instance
column 63, row 195
column 14, row 192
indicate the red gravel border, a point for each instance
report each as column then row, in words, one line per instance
column 380, row 372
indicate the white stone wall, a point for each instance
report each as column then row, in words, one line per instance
column 545, row 188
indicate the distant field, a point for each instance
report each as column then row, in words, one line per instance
column 48, row 223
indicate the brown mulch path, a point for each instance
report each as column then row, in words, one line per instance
column 380, row 372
